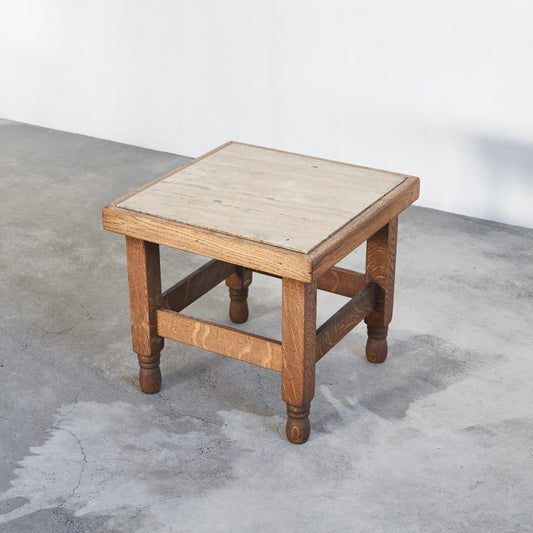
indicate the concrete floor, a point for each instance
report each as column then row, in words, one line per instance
column 436, row 439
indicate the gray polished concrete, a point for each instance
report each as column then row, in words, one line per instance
column 438, row 438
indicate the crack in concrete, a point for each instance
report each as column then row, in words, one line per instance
column 180, row 415
column 83, row 454
column 76, row 400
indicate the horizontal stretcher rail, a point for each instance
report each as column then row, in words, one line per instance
column 342, row 281
column 345, row 319
column 231, row 342
column 337, row 280
column 195, row 285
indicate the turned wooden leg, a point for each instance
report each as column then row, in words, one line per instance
column 298, row 344
column 380, row 264
column 144, row 278
column 298, row 426
column 376, row 344
column 238, row 284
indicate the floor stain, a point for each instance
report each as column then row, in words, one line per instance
column 101, row 458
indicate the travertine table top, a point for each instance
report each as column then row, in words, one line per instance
column 258, row 194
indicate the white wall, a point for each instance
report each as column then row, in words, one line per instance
column 437, row 89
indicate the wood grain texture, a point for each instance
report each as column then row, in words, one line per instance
column 230, row 342
column 238, row 283
column 298, row 342
column 265, row 195
column 337, row 280
column 145, row 296
column 226, row 248
column 364, row 226
column 380, row 267
column 298, row 427
column 342, row 281
column 195, row 285
column 376, row 344
column 345, row 319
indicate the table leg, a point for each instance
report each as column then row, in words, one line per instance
column 298, row 343
column 380, row 264
column 144, row 278
column 238, row 284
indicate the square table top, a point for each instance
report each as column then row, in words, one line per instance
column 259, row 195
column 287, row 200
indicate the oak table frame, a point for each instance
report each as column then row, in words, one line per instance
column 156, row 315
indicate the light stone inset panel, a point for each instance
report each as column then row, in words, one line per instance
column 286, row 200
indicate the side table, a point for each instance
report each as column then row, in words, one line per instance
column 253, row 209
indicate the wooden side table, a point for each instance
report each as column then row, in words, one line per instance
column 286, row 215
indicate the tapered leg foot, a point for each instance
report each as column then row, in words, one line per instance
column 298, row 427
column 149, row 373
column 238, row 307
column 376, row 344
